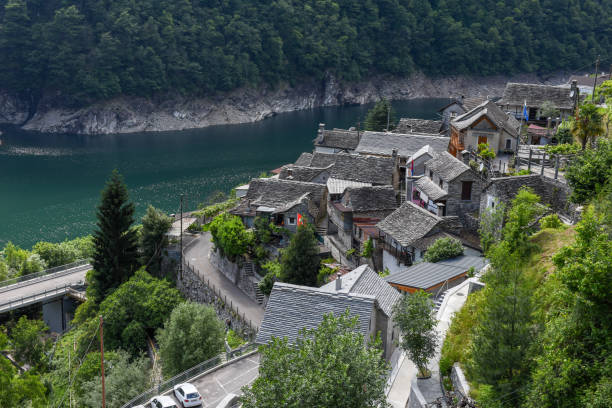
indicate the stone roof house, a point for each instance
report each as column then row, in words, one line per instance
column 411, row 125
column 435, row 277
column 335, row 140
column 364, row 281
column 448, row 188
column 353, row 216
column 282, row 201
column 457, row 107
column 320, row 167
column 407, row 232
column 504, row 189
column 384, row 144
column 516, row 94
column 585, row 82
column 292, row 308
column 486, row 123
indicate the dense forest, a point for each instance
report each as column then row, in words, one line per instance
column 98, row 49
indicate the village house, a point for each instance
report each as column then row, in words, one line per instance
column 585, row 82
column 486, row 123
column 282, row 201
column 415, row 165
column 364, row 281
column 436, row 277
column 516, row 95
column 336, row 140
column 339, row 171
column 406, row 233
column 449, row 187
column 383, row 144
column 456, row 107
column 291, row 308
column 353, row 218
column 422, row 126
column 553, row 193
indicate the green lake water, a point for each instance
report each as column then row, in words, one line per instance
column 50, row 183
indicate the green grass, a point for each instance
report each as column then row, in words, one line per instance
column 234, row 340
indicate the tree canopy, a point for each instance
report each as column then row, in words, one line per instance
column 381, row 117
column 300, row 260
column 330, row 366
column 443, row 248
column 99, row 49
column 153, row 239
column 192, row 334
column 590, row 172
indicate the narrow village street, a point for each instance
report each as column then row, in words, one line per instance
column 197, row 255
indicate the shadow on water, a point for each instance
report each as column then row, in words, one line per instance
column 50, row 183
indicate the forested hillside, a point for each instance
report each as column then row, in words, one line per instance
column 102, row 48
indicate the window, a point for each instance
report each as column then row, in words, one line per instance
column 466, row 190
column 291, row 221
column 441, row 183
column 508, row 143
column 431, row 174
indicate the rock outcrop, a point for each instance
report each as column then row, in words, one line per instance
column 133, row 114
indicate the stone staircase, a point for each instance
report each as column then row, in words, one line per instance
column 321, row 228
column 249, row 273
column 439, row 300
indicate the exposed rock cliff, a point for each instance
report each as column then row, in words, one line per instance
column 130, row 114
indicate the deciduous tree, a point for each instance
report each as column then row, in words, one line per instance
column 153, row 239
column 330, row 366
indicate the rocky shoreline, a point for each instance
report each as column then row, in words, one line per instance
column 134, row 114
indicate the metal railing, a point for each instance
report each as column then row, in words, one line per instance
column 61, row 268
column 27, row 300
column 191, row 373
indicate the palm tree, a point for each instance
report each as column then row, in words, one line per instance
column 588, row 124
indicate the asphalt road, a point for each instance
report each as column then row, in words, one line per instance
column 40, row 285
column 197, row 255
column 226, row 380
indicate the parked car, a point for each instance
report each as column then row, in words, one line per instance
column 188, row 395
column 162, row 401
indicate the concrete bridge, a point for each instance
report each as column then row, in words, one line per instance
column 56, row 290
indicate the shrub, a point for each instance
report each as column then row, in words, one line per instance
column 443, row 248
column 324, row 273
column 272, row 269
column 350, row 252
column 564, row 148
column 551, row 221
column 368, row 248
column 233, row 339
column 230, row 236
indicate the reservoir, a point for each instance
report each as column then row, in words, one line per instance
column 50, row 183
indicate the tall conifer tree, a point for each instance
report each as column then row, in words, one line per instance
column 300, row 261
column 116, row 244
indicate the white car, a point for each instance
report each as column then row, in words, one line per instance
column 188, row 395
column 162, row 401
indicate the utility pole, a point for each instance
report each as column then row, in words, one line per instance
column 102, row 361
column 595, row 83
column 181, row 233
column 388, row 114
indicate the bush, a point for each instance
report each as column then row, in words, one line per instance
column 324, row 273
column 564, row 148
column 368, row 248
column 551, row 221
column 194, row 227
column 230, row 236
column 443, row 248
column 273, row 270
column 350, row 252
column 233, row 339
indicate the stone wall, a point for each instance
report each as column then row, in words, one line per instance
column 416, row 398
column 454, row 204
column 460, row 384
column 229, row 269
column 197, row 290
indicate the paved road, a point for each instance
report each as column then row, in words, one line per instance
column 227, row 380
column 197, row 255
column 40, row 285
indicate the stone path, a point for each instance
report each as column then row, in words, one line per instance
column 197, row 255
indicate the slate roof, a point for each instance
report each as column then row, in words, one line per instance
column 299, row 173
column 380, row 143
column 338, row 186
column 536, row 95
column 291, row 308
column 489, row 109
column 304, row 159
column 507, row 187
column 433, row 191
column 354, row 167
column 425, row 275
column 279, row 194
column 587, row 81
column 466, row 103
column 363, row 280
column 364, row 199
column 411, row 125
column 338, row 139
column 446, row 166
column 409, row 223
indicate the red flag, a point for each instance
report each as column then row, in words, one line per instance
column 300, row 219
column 412, row 167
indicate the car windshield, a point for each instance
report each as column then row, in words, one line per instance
column 193, row 395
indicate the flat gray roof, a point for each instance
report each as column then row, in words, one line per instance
column 426, row 274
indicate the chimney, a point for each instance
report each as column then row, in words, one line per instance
column 394, row 153
column 466, row 157
column 548, row 123
column 321, row 128
column 338, row 282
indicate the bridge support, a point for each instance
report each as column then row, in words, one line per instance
column 58, row 313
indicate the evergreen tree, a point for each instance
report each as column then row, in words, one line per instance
column 115, row 256
column 379, row 116
column 153, row 239
column 300, row 261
